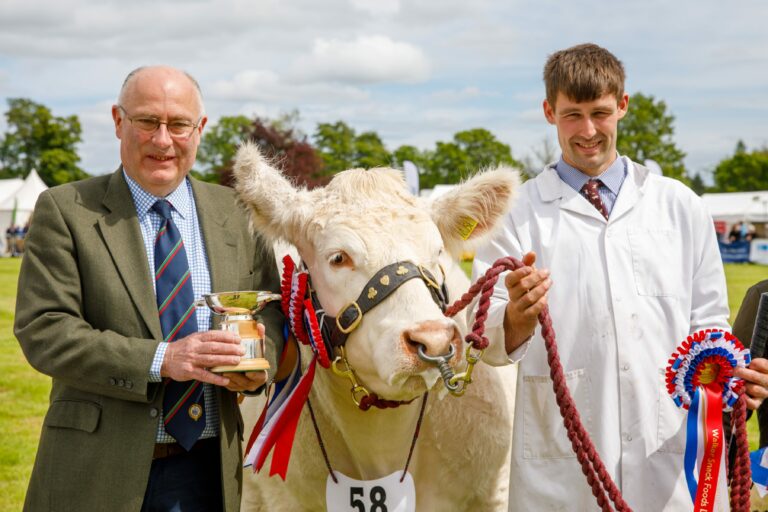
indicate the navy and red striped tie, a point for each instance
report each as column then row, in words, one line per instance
column 183, row 404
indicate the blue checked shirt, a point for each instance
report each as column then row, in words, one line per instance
column 612, row 178
column 184, row 214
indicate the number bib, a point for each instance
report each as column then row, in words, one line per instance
column 386, row 494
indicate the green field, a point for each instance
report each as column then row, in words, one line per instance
column 24, row 392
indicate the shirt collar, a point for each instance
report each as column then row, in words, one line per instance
column 612, row 177
column 180, row 199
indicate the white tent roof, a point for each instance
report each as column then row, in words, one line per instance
column 9, row 186
column 25, row 196
column 738, row 206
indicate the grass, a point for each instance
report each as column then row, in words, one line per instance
column 24, row 392
column 24, row 395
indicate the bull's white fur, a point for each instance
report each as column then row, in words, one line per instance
column 460, row 461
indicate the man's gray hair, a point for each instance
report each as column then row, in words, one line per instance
column 132, row 74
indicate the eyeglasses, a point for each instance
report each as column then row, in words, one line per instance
column 176, row 128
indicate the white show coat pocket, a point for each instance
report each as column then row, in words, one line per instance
column 544, row 435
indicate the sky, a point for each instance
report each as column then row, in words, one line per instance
column 414, row 71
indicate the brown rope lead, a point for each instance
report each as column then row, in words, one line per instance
column 603, row 487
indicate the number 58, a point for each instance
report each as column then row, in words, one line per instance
column 378, row 498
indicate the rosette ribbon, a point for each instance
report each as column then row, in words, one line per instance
column 700, row 379
column 276, row 427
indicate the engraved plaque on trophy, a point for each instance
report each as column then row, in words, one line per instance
column 236, row 311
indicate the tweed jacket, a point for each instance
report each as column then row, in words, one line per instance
column 86, row 315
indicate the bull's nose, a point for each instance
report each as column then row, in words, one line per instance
column 435, row 336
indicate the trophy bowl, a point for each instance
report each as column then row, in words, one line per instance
column 235, row 311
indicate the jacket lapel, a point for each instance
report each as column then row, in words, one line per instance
column 122, row 235
column 214, row 214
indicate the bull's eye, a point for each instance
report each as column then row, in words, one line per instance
column 340, row 259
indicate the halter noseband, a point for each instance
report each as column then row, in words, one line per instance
column 337, row 329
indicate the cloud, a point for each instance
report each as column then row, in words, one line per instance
column 364, row 60
column 261, row 85
column 377, row 7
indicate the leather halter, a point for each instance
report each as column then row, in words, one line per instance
column 336, row 330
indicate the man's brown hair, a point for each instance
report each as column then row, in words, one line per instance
column 583, row 72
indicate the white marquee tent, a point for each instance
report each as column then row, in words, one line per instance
column 19, row 196
column 732, row 207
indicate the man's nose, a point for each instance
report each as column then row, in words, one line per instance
column 161, row 137
column 588, row 129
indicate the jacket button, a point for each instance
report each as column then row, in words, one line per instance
column 129, row 384
column 153, row 412
column 112, row 381
column 121, row 383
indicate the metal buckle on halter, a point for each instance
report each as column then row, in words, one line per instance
column 355, row 322
column 427, row 276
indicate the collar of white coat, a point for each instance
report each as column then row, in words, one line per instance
column 552, row 188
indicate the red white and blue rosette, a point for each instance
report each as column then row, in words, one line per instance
column 700, row 378
column 276, row 428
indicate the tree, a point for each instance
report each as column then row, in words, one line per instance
column 341, row 148
column 698, row 185
column 285, row 145
column 370, row 151
column 470, row 151
column 335, row 142
column 743, row 172
column 543, row 155
column 646, row 132
column 36, row 139
column 219, row 145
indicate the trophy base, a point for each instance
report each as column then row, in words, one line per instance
column 246, row 365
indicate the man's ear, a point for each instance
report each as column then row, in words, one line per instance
column 623, row 105
column 549, row 112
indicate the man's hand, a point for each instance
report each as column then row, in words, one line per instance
column 190, row 357
column 756, row 378
column 246, row 381
column 527, row 288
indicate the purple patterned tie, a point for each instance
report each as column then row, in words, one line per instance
column 589, row 190
column 183, row 404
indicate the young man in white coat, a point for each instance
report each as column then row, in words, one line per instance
column 636, row 269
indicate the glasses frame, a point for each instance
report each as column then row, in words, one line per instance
column 159, row 122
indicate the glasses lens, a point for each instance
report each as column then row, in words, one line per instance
column 180, row 128
column 147, row 124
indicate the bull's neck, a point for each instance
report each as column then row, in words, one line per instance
column 362, row 444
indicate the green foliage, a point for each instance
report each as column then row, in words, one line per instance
column 24, row 393
column 647, row 131
column 340, row 148
column 744, row 171
column 698, row 185
column 36, row 139
column 219, row 145
column 468, row 152
column 335, row 142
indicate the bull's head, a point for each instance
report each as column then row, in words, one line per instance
column 361, row 222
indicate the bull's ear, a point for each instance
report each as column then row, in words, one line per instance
column 279, row 211
column 469, row 213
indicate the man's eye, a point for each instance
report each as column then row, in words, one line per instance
column 147, row 123
column 180, row 125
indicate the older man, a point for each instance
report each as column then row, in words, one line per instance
column 105, row 307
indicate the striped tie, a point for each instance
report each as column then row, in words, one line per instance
column 590, row 191
column 183, row 405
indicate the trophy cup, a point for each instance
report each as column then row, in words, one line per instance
column 236, row 311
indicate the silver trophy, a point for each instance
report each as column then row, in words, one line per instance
column 235, row 311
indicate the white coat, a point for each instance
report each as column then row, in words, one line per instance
column 625, row 293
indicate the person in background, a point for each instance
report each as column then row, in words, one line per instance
column 636, row 269
column 106, row 308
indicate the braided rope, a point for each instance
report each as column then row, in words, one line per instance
column 592, row 466
column 741, row 474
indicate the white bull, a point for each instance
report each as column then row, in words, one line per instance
column 344, row 233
